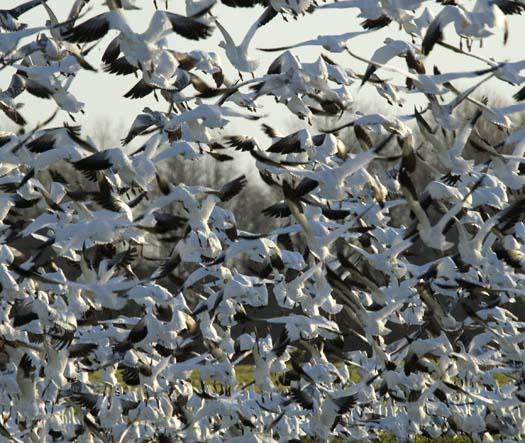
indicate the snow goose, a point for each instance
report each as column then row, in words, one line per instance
column 470, row 248
column 9, row 17
column 212, row 116
column 134, row 45
column 331, row 180
column 432, row 236
column 295, row 7
column 9, row 40
column 476, row 23
column 332, row 43
column 45, row 82
column 238, row 54
column 137, row 169
column 326, row 409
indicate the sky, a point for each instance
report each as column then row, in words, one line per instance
column 102, row 93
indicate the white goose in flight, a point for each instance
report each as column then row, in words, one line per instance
column 238, row 54
column 140, row 50
column 9, row 40
column 331, row 180
column 432, row 236
column 134, row 170
column 162, row 24
column 46, row 82
column 480, row 22
column 9, row 17
column 212, row 116
column 332, row 43
column 294, row 6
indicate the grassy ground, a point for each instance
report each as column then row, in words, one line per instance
column 244, row 375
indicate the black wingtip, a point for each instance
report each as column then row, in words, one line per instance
column 520, row 95
column 433, row 35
